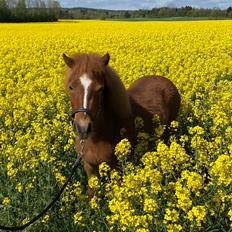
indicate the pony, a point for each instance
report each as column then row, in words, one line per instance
column 101, row 106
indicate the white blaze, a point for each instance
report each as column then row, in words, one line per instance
column 85, row 81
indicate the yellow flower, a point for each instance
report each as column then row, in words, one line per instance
column 139, row 123
column 94, row 202
column 174, row 125
column 221, row 169
column 19, row 187
column 184, row 139
column 171, row 215
column 142, row 230
column 159, row 130
column 149, row 205
column 194, row 181
column 36, row 138
column 156, row 119
column 230, row 214
column 45, row 218
column 174, row 228
column 104, row 169
column 6, row 201
column 196, row 130
column 77, row 217
column 93, row 182
column 59, row 177
column 183, row 195
column 25, row 220
column 123, row 149
column 43, row 156
column 198, row 214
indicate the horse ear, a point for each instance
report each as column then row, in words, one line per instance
column 105, row 59
column 69, row 61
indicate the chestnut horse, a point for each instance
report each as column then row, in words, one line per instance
column 102, row 106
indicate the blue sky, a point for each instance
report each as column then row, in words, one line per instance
column 145, row 4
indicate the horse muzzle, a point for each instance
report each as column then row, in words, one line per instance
column 82, row 128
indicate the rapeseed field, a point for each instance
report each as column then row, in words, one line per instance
column 184, row 185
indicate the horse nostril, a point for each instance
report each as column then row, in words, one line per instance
column 89, row 128
column 78, row 128
column 82, row 130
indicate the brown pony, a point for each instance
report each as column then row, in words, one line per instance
column 102, row 106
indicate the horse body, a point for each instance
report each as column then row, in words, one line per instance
column 109, row 107
column 152, row 95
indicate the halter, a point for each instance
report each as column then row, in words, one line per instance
column 79, row 110
column 85, row 110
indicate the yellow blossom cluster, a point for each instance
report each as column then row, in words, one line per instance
column 198, row 214
column 184, row 184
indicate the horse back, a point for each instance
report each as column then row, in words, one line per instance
column 151, row 95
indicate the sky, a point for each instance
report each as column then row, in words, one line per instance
column 145, row 4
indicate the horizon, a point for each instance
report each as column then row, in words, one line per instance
column 146, row 5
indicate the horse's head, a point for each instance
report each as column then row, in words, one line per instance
column 85, row 85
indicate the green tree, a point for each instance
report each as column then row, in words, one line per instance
column 20, row 10
column 229, row 12
column 11, row 3
column 5, row 14
column 21, row 4
column 127, row 15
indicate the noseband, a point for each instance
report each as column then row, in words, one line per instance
column 81, row 110
column 86, row 111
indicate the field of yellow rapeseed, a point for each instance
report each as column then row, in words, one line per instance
column 185, row 185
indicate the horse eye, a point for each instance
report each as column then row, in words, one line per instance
column 101, row 90
column 70, row 87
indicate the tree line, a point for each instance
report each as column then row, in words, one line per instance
column 163, row 12
column 29, row 10
column 50, row 10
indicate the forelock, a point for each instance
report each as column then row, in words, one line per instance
column 87, row 63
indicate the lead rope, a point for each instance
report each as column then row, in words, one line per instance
column 22, row 227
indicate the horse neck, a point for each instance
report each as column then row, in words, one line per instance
column 116, row 111
column 117, row 99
